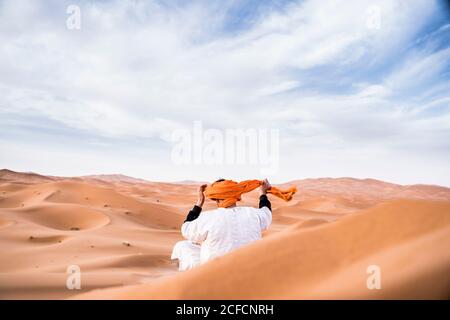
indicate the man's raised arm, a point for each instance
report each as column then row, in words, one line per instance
column 265, row 208
column 263, row 200
column 197, row 209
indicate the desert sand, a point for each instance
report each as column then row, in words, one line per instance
column 120, row 231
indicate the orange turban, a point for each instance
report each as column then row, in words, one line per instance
column 230, row 191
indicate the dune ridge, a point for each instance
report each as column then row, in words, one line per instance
column 302, row 262
column 120, row 231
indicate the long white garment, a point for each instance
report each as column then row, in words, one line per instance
column 187, row 253
column 218, row 232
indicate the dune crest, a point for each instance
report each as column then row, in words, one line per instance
column 65, row 217
column 120, row 231
column 303, row 261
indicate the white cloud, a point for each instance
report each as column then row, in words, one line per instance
column 141, row 69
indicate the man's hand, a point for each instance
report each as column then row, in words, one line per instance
column 264, row 187
column 201, row 195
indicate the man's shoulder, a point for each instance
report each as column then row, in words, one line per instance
column 210, row 210
column 208, row 213
column 253, row 210
column 247, row 208
column 218, row 211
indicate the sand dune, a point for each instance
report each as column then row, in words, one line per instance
column 309, row 223
column 65, row 217
column 48, row 240
column 133, row 262
column 318, row 263
column 21, row 177
column 120, row 232
column 5, row 222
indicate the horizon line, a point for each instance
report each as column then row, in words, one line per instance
column 191, row 181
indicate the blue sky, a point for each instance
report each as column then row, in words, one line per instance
column 348, row 98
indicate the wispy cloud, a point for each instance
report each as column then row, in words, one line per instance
column 349, row 99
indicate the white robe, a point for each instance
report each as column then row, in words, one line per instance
column 216, row 232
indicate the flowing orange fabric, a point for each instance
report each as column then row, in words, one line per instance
column 230, row 191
